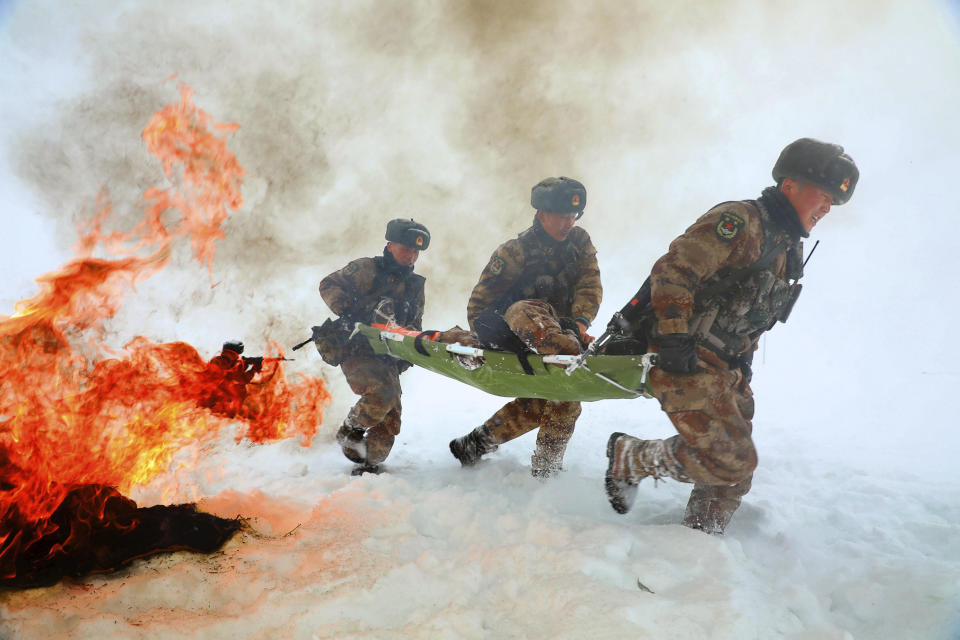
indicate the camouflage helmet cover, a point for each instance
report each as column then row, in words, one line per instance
column 409, row 233
column 559, row 195
column 820, row 163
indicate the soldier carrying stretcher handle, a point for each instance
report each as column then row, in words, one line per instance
column 722, row 284
column 369, row 290
column 545, row 285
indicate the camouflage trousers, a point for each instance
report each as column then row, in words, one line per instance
column 537, row 324
column 377, row 381
column 712, row 412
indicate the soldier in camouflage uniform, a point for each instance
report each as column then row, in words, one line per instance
column 230, row 373
column 721, row 285
column 546, row 285
column 369, row 290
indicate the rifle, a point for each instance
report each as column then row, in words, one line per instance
column 332, row 339
column 259, row 360
column 308, row 340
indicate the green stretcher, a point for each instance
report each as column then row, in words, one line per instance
column 559, row 377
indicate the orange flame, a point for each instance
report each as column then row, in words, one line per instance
column 70, row 416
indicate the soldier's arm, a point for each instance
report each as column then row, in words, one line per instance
column 588, row 291
column 502, row 270
column 728, row 236
column 341, row 289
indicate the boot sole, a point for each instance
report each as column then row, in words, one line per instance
column 363, row 468
column 615, row 494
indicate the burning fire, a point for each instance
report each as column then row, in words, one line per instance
column 79, row 423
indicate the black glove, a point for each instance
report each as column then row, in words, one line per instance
column 678, row 353
column 255, row 363
column 569, row 324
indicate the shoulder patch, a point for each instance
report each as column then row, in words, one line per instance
column 496, row 265
column 729, row 226
column 351, row 269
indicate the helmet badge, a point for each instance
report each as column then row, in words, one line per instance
column 419, row 241
column 575, row 201
column 845, row 186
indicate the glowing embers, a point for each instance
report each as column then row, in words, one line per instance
column 81, row 424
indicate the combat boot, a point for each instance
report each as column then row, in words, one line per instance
column 547, row 458
column 711, row 508
column 365, row 467
column 469, row 448
column 350, row 437
column 632, row 460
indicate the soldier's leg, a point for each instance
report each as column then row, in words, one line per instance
column 512, row 420
column 711, row 411
column 556, row 428
column 710, row 507
column 377, row 382
column 380, row 437
column 537, row 324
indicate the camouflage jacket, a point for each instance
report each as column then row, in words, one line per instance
column 355, row 291
column 535, row 266
column 726, row 279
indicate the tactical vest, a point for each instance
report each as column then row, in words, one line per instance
column 404, row 291
column 550, row 272
column 735, row 306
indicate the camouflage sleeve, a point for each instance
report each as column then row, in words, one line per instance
column 503, row 269
column 342, row 288
column 729, row 235
column 588, row 292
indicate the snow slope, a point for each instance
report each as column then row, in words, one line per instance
column 428, row 550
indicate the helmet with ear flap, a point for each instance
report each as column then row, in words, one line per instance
column 559, row 195
column 409, row 233
column 819, row 163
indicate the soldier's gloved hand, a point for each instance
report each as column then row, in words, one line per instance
column 569, row 324
column 678, row 353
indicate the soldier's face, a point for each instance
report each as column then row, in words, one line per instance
column 403, row 254
column 557, row 225
column 811, row 202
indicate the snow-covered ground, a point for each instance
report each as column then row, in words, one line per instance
column 820, row 550
column 449, row 112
